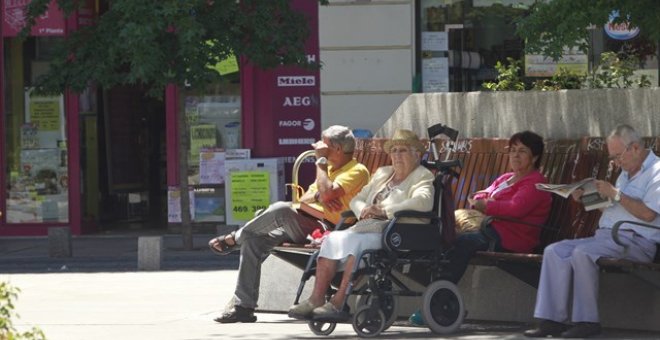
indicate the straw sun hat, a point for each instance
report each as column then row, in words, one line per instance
column 404, row 137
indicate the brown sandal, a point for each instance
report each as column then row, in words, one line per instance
column 222, row 247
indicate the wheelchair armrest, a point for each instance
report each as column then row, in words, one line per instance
column 414, row 213
column 618, row 224
column 347, row 213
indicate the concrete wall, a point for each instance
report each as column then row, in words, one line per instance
column 626, row 301
column 561, row 114
column 367, row 52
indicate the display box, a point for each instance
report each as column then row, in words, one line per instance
column 251, row 185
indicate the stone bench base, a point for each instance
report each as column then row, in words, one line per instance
column 627, row 301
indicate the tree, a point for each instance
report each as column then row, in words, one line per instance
column 153, row 43
column 553, row 24
column 8, row 296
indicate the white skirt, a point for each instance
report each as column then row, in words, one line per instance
column 338, row 245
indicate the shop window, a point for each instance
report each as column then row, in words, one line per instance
column 214, row 126
column 460, row 41
column 34, row 138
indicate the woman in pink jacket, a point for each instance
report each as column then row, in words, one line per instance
column 513, row 194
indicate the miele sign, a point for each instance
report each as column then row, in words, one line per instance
column 290, row 81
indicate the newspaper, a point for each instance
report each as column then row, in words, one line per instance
column 590, row 198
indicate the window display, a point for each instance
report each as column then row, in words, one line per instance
column 34, row 139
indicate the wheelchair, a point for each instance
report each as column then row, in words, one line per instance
column 417, row 251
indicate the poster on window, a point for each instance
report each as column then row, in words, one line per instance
column 174, row 204
column 46, row 115
column 435, row 75
column 211, row 166
column 435, row 41
column 572, row 59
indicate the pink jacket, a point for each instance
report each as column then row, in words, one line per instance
column 522, row 201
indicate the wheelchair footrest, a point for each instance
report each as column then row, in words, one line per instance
column 343, row 316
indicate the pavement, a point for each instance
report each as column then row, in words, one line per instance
column 98, row 294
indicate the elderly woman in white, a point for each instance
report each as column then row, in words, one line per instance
column 405, row 185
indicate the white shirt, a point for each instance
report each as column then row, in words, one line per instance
column 644, row 186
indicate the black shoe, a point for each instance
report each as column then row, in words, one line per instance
column 545, row 328
column 582, row 330
column 237, row 314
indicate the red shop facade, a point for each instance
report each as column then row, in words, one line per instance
column 105, row 158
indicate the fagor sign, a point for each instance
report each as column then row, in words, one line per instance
column 307, row 124
column 288, row 81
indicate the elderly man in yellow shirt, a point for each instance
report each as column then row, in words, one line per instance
column 339, row 178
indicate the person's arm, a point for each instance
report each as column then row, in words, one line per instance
column 360, row 201
column 479, row 199
column 420, row 199
column 322, row 184
column 328, row 189
column 525, row 200
column 635, row 207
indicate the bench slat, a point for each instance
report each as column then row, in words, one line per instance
column 484, row 159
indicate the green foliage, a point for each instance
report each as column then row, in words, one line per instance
column 8, row 295
column 616, row 72
column 564, row 79
column 156, row 43
column 613, row 71
column 508, row 77
column 551, row 25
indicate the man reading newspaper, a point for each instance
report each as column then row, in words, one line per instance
column 570, row 265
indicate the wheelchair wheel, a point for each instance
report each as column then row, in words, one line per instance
column 442, row 307
column 322, row 328
column 389, row 307
column 368, row 322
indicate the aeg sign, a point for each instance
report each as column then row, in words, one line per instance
column 297, row 101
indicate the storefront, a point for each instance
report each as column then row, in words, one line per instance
column 270, row 113
column 39, row 132
column 460, row 41
column 106, row 158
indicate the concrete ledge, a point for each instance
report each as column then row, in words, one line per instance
column 626, row 301
column 553, row 114
column 59, row 242
column 150, row 252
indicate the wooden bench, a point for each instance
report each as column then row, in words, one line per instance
column 563, row 162
column 483, row 159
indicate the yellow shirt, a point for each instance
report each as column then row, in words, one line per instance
column 351, row 177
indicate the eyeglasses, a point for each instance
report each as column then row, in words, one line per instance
column 618, row 156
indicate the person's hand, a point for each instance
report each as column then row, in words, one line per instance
column 373, row 211
column 477, row 195
column 320, row 149
column 333, row 204
column 577, row 194
column 479, row 205
column 605, row 188
column 471, row 198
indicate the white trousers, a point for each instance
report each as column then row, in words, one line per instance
column 571, row 264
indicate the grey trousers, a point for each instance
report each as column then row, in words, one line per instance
column 570, row 266
column 277, row 224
